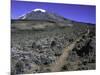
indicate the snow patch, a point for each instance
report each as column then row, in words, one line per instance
column 38, row 9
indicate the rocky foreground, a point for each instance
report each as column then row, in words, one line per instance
column 42, row 46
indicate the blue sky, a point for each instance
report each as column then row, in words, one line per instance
column 81, row 13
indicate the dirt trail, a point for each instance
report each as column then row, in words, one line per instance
column 61, row 61
column 56, row 66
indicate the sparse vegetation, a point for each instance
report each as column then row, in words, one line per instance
column 37, row 49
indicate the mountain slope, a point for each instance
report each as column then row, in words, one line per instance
column 46, row 16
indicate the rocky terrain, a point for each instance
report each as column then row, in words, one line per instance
column 39, row 46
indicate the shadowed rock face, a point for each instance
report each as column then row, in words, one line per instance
column 37, row 44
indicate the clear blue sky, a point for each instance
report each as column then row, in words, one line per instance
column 81, row 13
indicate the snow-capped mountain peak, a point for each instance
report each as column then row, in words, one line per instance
column 43, row 15
column 38, row 9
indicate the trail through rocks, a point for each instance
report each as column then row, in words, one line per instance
column 56, row 66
